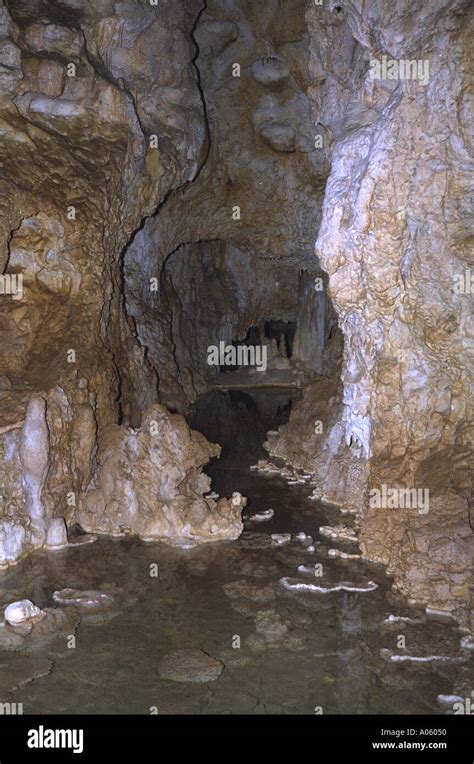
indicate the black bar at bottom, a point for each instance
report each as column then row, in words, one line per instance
column 90, row 738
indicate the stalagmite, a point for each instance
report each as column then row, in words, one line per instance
column 34, row 456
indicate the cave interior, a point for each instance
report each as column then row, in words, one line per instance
column 229, row 311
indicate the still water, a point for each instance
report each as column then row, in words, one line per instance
column 220, row 610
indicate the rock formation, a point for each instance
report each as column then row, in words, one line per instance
column 95, row 135
column 150, row 482
column 395, row 238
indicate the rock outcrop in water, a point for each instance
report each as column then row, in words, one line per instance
column 150, row 482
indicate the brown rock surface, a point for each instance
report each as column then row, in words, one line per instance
column 395, row 233
column 94, row 136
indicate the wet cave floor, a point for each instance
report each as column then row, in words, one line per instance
column 300, row 652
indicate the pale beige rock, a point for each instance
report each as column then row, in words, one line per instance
column 394, row 235
column 150, row 482
column 56, row 534
column 23, row 611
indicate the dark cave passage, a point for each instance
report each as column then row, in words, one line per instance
column 239, row 419
column 222, row 317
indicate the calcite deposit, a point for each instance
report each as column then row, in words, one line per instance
column 295, row 176
column 24, row 611
column 94, row 136
column 394, row 236
column 150, row 482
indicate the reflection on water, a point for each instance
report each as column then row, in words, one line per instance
column 298, row 651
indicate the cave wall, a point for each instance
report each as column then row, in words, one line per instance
column 96, row 131
column 316, row 325
column 79, row 172
column 110, row 151
column 395, row 235
column 262, row 158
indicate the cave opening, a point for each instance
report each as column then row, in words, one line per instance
column 235, row 336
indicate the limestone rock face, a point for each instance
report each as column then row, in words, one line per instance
column 34, row 457
column 396, row 241
column 207, row 294
column 13, row 542
column 96, row 131
column 56, row 536
column 262, row 165
column 43, row 468
column 150, row 482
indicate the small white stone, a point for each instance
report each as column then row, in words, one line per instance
column 237, row 499
column 435, row 614
column 343, row 555
column 281, row 538
column 23, row 611
column 448, row 700
column 467, row 643
column 85, row 599
column 261, row 517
